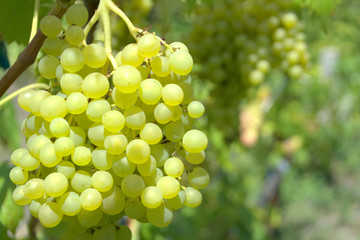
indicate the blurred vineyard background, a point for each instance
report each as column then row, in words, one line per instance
column 284, row 152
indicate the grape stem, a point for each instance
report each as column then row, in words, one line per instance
column 21, row 90
column 35, row 20
column 90, row 24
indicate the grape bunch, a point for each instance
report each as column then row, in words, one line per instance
column 105, row 143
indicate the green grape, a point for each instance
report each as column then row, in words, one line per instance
column 70, row 203
column 123, row 233
column 169, row 186
column 172, row 94
column 35, row 143
column 95, row 85
column 34, row 207
column 147, row 168
column 66, row 168
column 47, row 66
column 181, row 62
column 90, row 199
column 154, row 178
column 59, row 127
column 135, row 118
column 70, row 82
column 77, row 135
column 89, row 219
column 160, row 153
column 36, row 100
column 150, row 91
column 74, row 35
column 289, row 20
column 176, row 202
column 193, row 197
column 52, row 46
column 113, row 201
column 174, row 167
column 96, row 134
column 53, row 107
column 48, row 156
column 122, row 166
column 64, row 146
column 130, row 55
column 105, row 232
column 19, row 197
column 101, row 159
column 95, row 55
column 151, row 133
column 160, row 216
column 263, row 66
column 28, row 162
column 188, row 92
column 76, row 103
column 80, row 181
column 50, row 214
column 50, row 26
column 174, row 131
column 124, row 100
column 34, row 188
column 102, row 181
column 77, row 14
column 195, row 158
column 160, row 66
column 195, row 109
column 176, row 46
column 24, row 100
column 132, row 185
column 151, row 197
column 118, row 59
column 16, row 156
column 198, row 178
column 18, row 175
column 33, row 123
column 194, row 141
column 295, row 71
column 177, row 113
column 134, row 208
column 163, row 113
column 81, row 156
column 72, row 59
column 55, row 184
column 96, row 109
column 127, row 79
column 148, row 45
column 116, row 143
column 113, row 121
column 138, row 151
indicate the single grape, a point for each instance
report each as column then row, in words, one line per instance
column 172, row 94
column 138, row 151
column 151, row 133
column 169, row 186
column 113, row 201
column 95, row 55
column 151, row 197
column 174, row 167
column 19, row 197
column 113, row 121
column 50, row 214
column 53, row 107
column 127, row 79
column 124, row 100
column 47, row 66
column 150, row 91
column 77, row 14
column 160, row 66
column 195, row 109
column 72, row 59
column 181, row 62
column 96, row 109
column 70, row 82
column 130, row 55
column 59, row 127
column 70, row 203
column 163, row 113
column 74, row 35
column 147, row 168
column 90, row 199
column 64, row 146
column 50, row 26
column 55, row 184
column 122, row 166
column 81, row 181
column 101, row 159
column 81, row 156
column 95, row 85
column 18, row 175
column 160, row 216
column 115, row 143
column 132, row 185
column 193, row 197
column 66, row 168
column 148, row 45
column 102, row 181
column 34, row 188
column 194, row 141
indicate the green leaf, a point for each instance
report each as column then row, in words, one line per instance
column 323, row 7
column 190, row 4
column 10, row 212
column 9, row 129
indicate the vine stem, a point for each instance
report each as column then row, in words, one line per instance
column 35, row 20
column 90, row 24
column 21, row 90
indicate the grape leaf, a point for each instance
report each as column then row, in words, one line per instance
column 10, row 212
column 9, row 130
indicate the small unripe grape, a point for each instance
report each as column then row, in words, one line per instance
column 149, row 45
column 50, row 26
column 195, row 109
column 181, row 62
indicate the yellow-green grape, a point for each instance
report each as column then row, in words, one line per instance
column 195, row 158
column 295, row 71
column 34, row 207
column 53, row 107
column 113, row 201
column 153, row 178
column 59, row 127
column 118, row 59
column 176, row 46
column 134, row 208
column 176, row 202
column 95, row 85
column 198, row 178
column 50, row 214
column 72, row 60
column 102, row 181
column 174, row 167
column 81, row 156
column 34, row 188
column 95, row 55
column 70, row 82
column 50, row 26
column 77, row 14
column 174, row 131
column 116, row 143
column 151, row 133
column 89, row 219
column 256, row 77
column 289, row 20
column 106, row 231
column 35, row 143
column 147, row 168
column 113, row 121
column 101, row 159
column 130, row 55
column 135, row 118
column 151, row 197
column 181, row 62
column 138, row 151
column 122, row 166
column 55, row 184
column 132, row 185
column 76, row 103
column 47, row 66
column 28, row 162
column 193, row 197
column 160, row 153
column 52, row 46
column 19, row 197
column 90, row 199
column 18, row 175
column 36, row 100
column 16, row 156
column 96, row 134
column 149, row 45
column 194, row 141
column 24, row 100
column 70, row 203
column 169, row 186
column 160, row 66
column 96, row 109
column 81, row 181
column 33, row 123
column 195, row 109
column 74, row 35
column 77, row 135
column 160, row 216
column 124, row 100
column 127, row 79
column 172, row 94
column 64, row 146
column 48, row 156
column 163, row 113
column 150, row 91
column 263, row 66
column 66, row 168
column 123, row 233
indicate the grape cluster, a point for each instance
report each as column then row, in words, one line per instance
column 241, row 41
column 104, row 145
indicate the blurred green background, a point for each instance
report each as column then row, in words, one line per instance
column 298, row 179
